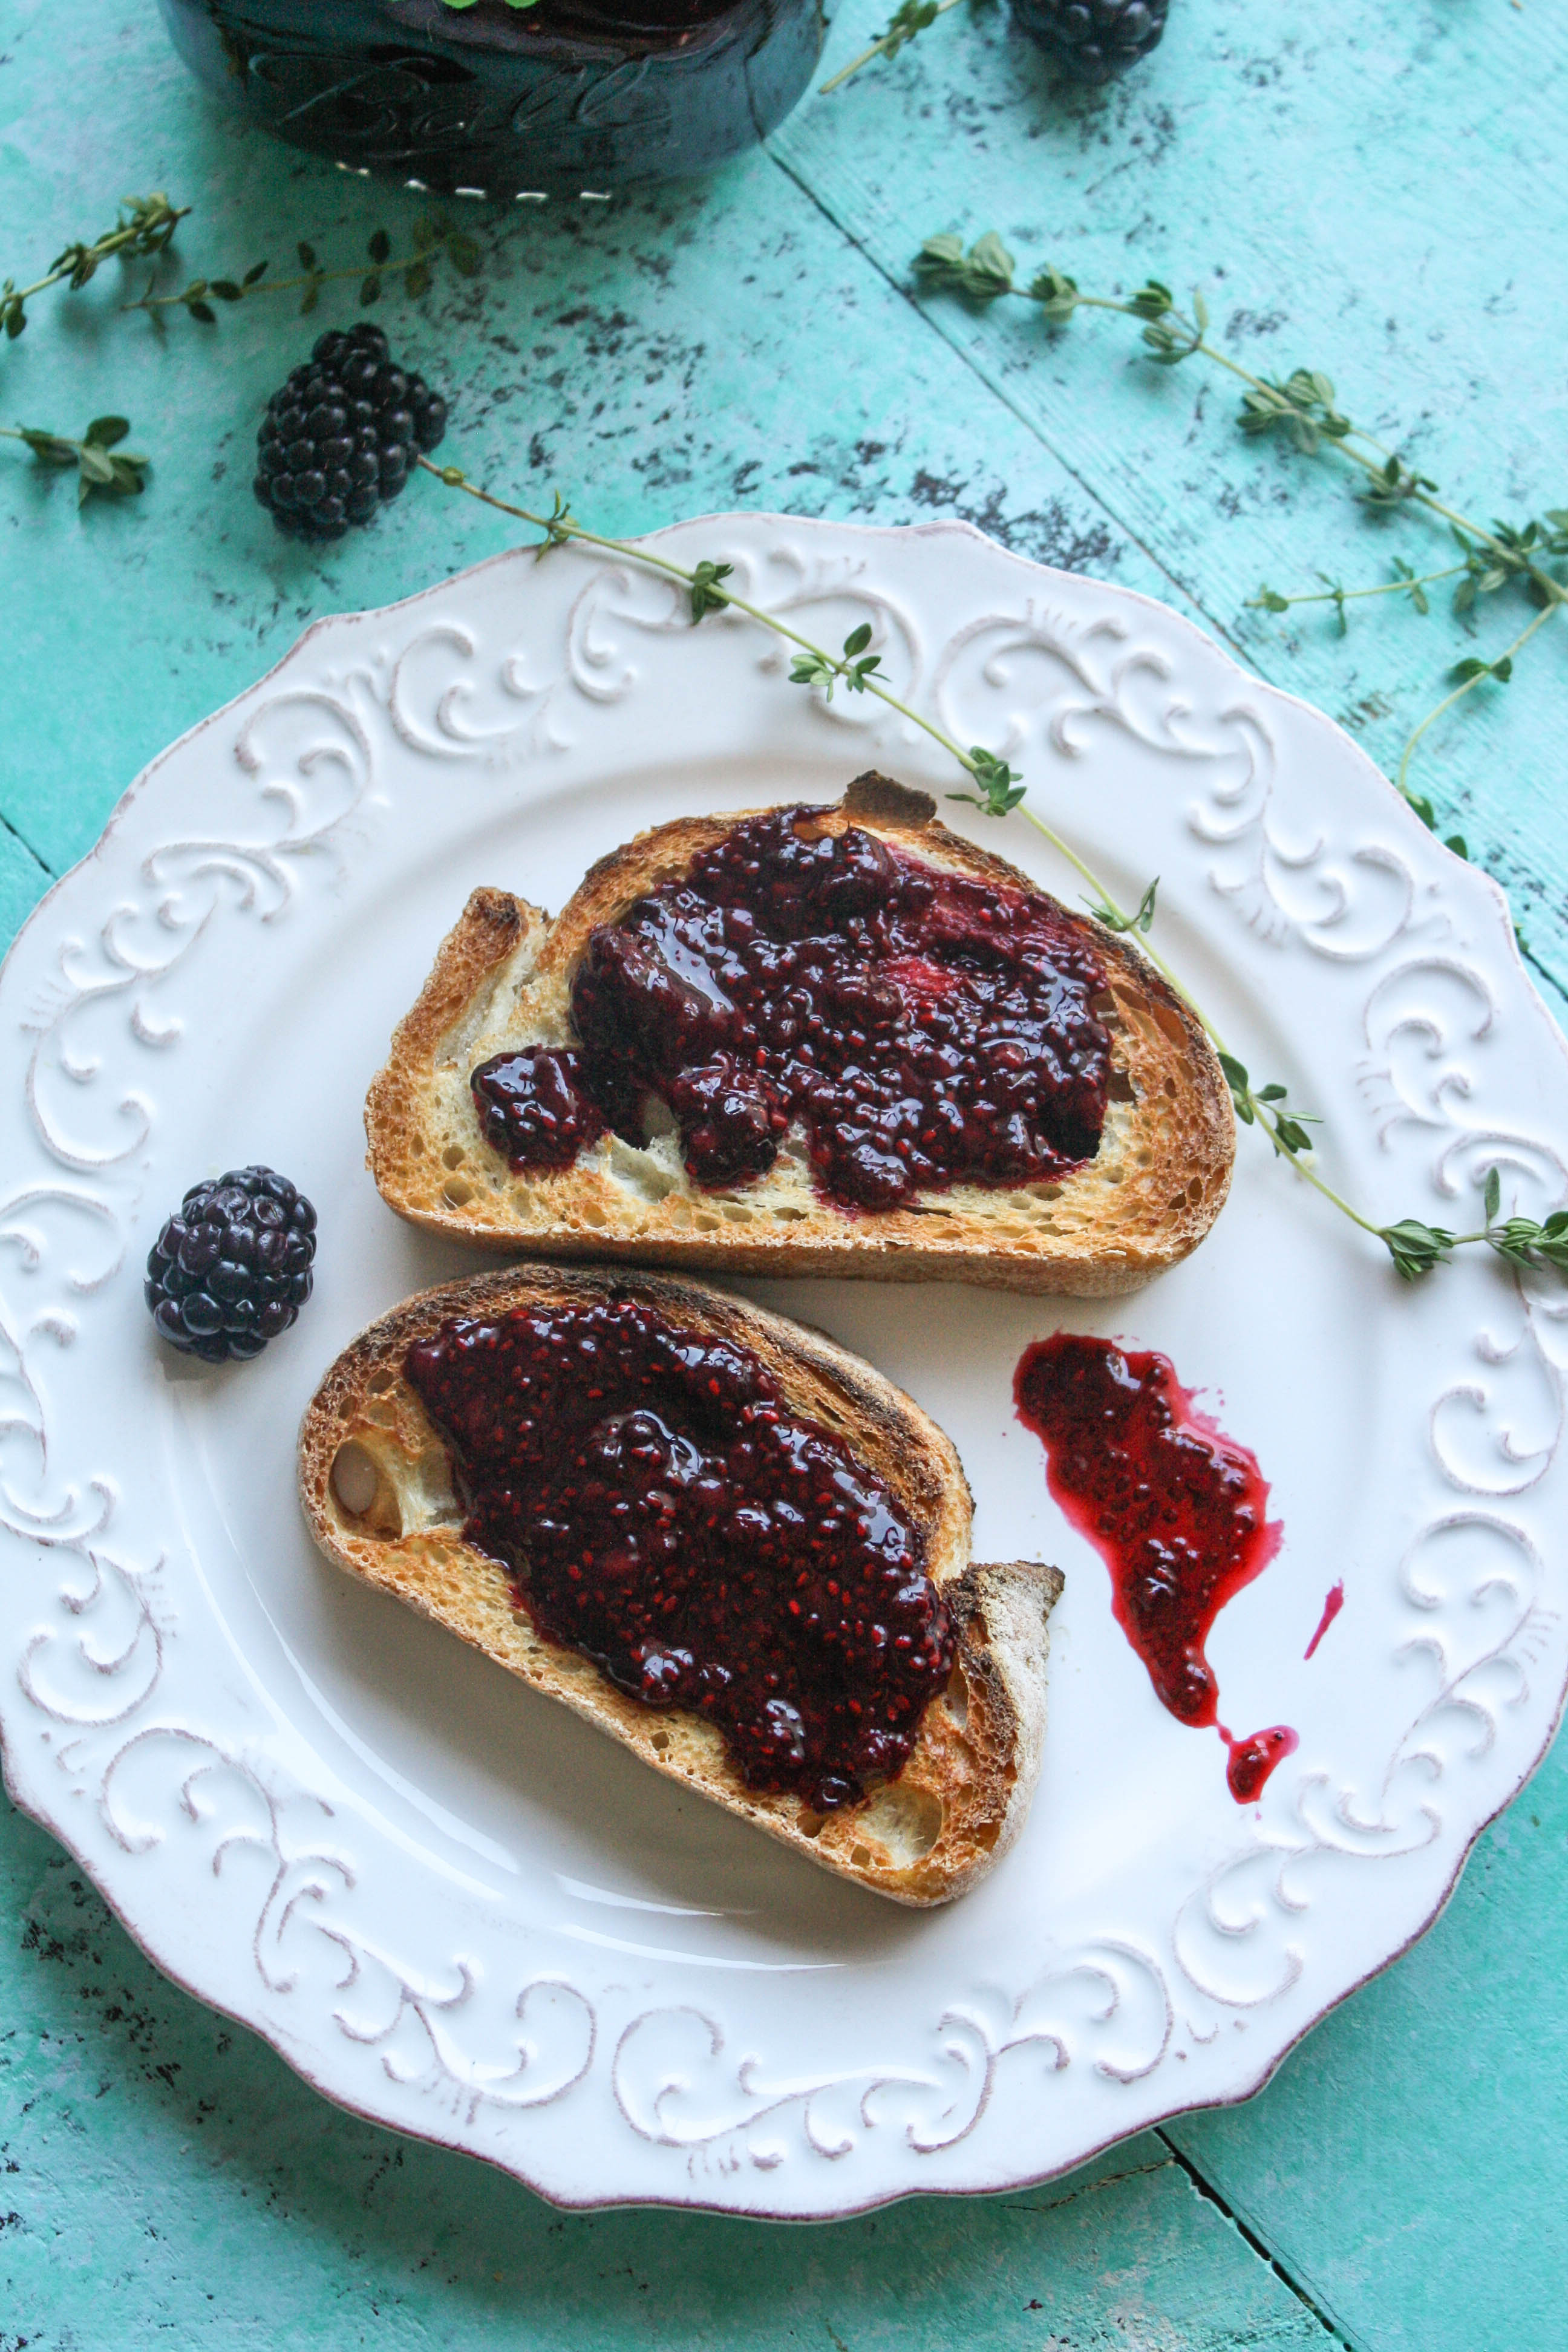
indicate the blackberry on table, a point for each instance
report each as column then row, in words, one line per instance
column 341, row 436
column 231, row 1268
column 1093, row 38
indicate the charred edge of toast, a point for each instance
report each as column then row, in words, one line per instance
column 494, row 924
column 974, row 1766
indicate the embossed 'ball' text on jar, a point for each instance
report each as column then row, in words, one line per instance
column 501, row 100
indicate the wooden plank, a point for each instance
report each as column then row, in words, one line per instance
column 1345, row 181
column 168, row 2169
column 727, row 344
column 694, row 348
column 1406, row 2165
column 23, row 881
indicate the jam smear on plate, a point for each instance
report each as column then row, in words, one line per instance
column 1174, row 1508
column 660, row 1509
column 922, row 1029
column 1332, row 1607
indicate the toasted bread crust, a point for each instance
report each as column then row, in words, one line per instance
column 922, row 1839
column 502, row 979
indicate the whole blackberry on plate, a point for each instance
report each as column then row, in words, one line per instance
column 342, row 435
column 1093, row 38
column 231, row 1268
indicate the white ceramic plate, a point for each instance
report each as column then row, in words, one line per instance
column 444, row 1900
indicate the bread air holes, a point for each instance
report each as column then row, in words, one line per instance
column 642, row 1178
column 456, row 1192
column 955, row 1698
column 454, row 1156
column 905, row 1820
column 361, row 1492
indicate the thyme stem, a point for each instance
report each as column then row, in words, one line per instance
column 909, row 20
column 145, row 225
column 562, row 526
column 1199, row 347
column 150, row 301
column 1263, row 1108
column 1465, row 686
column 1352, row 595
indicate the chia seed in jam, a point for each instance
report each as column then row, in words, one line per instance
column 660, row 1509
column 925, row 1029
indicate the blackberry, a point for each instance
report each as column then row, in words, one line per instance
column 1093, row 38
column 231, row 1268
column 342, row 434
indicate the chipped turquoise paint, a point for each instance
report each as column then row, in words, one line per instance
column 1374, row 188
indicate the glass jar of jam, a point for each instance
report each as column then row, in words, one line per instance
column 496, row 100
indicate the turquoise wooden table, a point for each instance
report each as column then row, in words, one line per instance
column 1373, row 187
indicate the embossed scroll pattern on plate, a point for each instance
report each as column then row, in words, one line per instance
column 1052, row 668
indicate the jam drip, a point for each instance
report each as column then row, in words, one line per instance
column 1174, row 1508
column 924, row 1030
column 659, row 1511
column 1334, row 1601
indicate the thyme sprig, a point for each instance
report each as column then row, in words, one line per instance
column 1416, row 1248
column 1303, row 409
column 144, row 226
column 433, row 238
column 911, row 17
column 101, row 463
column 1405, row 583
column 1522, row 1241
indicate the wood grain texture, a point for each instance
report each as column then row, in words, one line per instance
column 164, row 2180
column 703, row 346
column 1375, row 188
column 1370, row 187
column 1407, row 2163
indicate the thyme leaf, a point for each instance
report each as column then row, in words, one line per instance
column 144, row 226
column 100, row 464
column 1001, row 787
column 1414, row 1247
column 853, row 667
column 1113, row 920
column 909, row 18
column 706, row 595
column 1304, row 410
column 434, row 238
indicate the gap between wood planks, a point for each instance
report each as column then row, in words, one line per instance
column 24, row 844
column 1556, row 982
column 1030, row 424
column 1211, row 2197
column 1285, row 2277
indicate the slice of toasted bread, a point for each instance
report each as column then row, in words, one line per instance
column 376, row 1482
column 503, row 979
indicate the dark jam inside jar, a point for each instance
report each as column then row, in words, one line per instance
column 631, row 24
column 660, row 1509
column 482, row 98
column 919, row 1028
